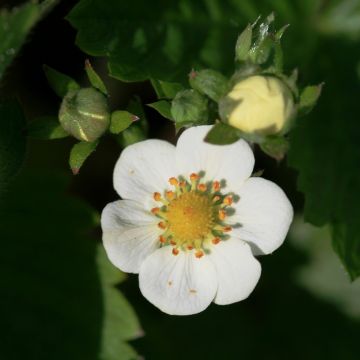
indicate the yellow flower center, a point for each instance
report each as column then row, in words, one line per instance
column 192, row 216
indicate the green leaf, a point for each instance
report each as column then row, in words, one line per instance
column 222, row 134
column 163, row 107
column 165, row 89
column 308, row 98
column 275, row 146
column 46, row 128
column 59, row 82
column 243, row 44
column 139, row 130
column 189, row 107
column 15, row 25
column 94, row 78
column 58, row 296
column 79, row 153
column 121, row 120
column 120, row 322
column 210, row 83
column 162, row 41
column 12, row 142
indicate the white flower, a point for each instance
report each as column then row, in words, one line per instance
column 192, row 220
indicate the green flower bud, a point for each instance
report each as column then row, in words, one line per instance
column 84, row 114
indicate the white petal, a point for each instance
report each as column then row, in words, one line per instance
column 264, row 215
column 178, row 285
column 130, row 234
column 237, row 270
column 144, row 168
column 234, row 162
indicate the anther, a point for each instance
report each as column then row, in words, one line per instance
column 222, row 214
column 215, row 240
column 190, row 247
column 228, row 200
column 216, row 185
column 155, row 210
column 172, row 242
column 162, row 239
column 174, row 181
column 199, row 254
column 201, row 187
column 175, row 251
column 162, row 225
column 227, row 228
column 194, row 177
column 170, row 195
column 157, row 196
column 216, row 198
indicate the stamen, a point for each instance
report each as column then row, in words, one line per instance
column 227, row 228
column 190, row 247
column 216, row 198
column 194, row 177
column 170, row 195
column 228, row 200
column 216, row 186
column 162, row 225
column 172, row 242
column 215, row 240
column 173, row 181
column 199, row 254
column 222, row 214
column 155, row 210
column 202, row 187
column 175, row 251
column 157, row 196
column 162, row 239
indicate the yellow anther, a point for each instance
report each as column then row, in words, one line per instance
column 162, row 239
column 202, row 187
column 228, row 200
column 216, row 185
column 157, row 196
column 174, row 181
column 175, row 251
column 155, row 210
column 162, row 225
column 216, row 198
column 222, row 214
column 194, row 177
column 215, row 240
column 170, row 195
column 199, row 254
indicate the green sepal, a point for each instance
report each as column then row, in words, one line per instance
column 210, row 83
column 46, row 128
column 243, row 44
column 308, row 98
column 121, row 120
column 94, row 78
column 222, row 134
column 275, row 146
column 163, row 107
column 59, row 82
column 79, row 153
column 189, row 108
column 166, row 89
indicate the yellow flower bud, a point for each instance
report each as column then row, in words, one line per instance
column 261, row 104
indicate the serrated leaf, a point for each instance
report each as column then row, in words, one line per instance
column 46, row 128
column 15, row 25
column 222, row 134
column 308, row 98
column 59, row 82
column 79, row 153
column 12, row 142
column 121, row 120
column 243, row 44
column 189, row 107
column 94, row 78
column 210, row 83
column 163, row 107
column 166, row 89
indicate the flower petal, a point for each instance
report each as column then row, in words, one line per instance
column 144, row 168
column 178, row 285
column 234, row 162
column 237, row 270
column 130, row 234
column 264, row 215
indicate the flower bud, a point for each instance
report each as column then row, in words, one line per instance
column 84, row 114
column 261, row 104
